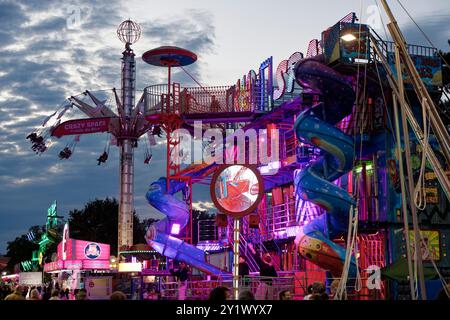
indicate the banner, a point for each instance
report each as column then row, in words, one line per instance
column 30, row 278
column 81, row 126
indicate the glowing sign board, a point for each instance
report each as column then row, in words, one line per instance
column 285, row 75
column 81, row 126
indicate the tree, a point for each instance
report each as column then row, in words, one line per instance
column 21, row 249
column 98, row 222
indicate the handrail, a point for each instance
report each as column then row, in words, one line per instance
column 200, row 289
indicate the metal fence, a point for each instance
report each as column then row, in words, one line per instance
column 263, row 288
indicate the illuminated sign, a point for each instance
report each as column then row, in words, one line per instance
column 92, row 251
column 30, row 278
column 285, row 75
column 81, row 126
column 244, row 97
column 64, row 241
column 130, row 267
column 236, row 190
column 430, row 246
column 254, row 90
column 265, row 85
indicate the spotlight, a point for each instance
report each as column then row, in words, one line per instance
column 348, row 37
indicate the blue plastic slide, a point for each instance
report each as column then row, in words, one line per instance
column 316, row 127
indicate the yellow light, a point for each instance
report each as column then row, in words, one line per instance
column 130, row 267
column 348, row 37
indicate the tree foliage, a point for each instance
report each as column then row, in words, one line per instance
column 98, row 222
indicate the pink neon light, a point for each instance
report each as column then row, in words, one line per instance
column 175, row 229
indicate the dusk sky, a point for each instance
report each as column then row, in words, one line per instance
column 50, row 50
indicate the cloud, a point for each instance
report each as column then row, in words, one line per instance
column 203, row 205
column 435, row 27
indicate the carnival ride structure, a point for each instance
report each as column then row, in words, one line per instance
column 339, row 169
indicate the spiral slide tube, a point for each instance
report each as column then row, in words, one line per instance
column 177, row 212
column 314, row 183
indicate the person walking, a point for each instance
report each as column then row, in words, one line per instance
column 182, row 274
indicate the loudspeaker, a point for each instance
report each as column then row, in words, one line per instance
column 221, row 220
column 253, row 221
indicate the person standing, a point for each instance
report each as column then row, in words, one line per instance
column 54, row 295
column 267, row 272
column 182, row 274
column 16, row 295
column 34, row 295
column 309, row 293
column 244, row 271
column 285, row 295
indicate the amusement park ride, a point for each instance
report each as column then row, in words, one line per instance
column 363, row 152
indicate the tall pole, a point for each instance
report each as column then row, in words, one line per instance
column 236, row 236
column 404, row 203
column 442, row 137
column 417, row 237
column 127, row 144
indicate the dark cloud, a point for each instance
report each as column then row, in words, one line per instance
column 435, row 26
column 11, row 16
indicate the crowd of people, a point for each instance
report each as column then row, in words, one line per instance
column 46, row 292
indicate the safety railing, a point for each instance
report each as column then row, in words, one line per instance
column 195, row 100
column 207, row 99
column 282, row 221
column 388, row 47
column 265, row 288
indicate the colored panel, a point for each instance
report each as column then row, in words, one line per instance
column 95, row 264
column 429, row 69
column 87, row 250
column 432, row 241
column 330, row 41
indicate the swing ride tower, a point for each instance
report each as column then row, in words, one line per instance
column 128, row 33
column 126, row 127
